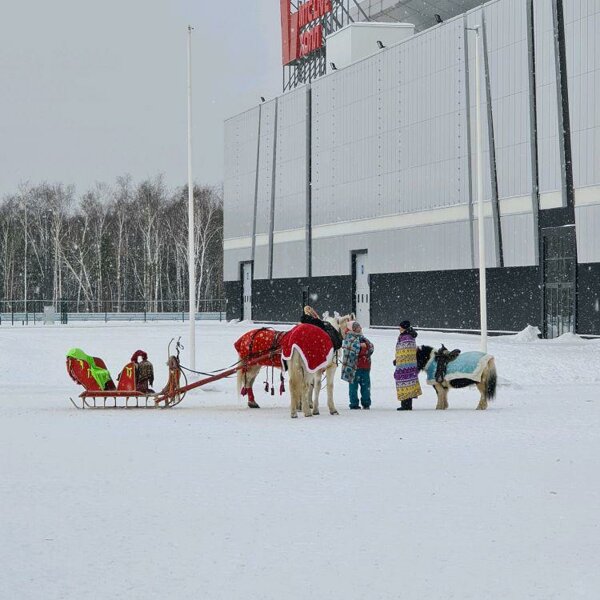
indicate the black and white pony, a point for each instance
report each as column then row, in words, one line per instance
column 485, row 378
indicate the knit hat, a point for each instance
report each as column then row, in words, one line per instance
column 405, row 324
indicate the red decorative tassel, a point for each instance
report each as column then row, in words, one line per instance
column 244, row 391
column 281, row 385
column 266, row 386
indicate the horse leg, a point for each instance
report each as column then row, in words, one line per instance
column 330, row 379
column 446, row 390
column 439, row 390
column 295, row 393
column 306, row 390
column 245, row 381
column 299, row 387
column 315, row 390
column 299, row 403
column 308, row 412
column 483, row 403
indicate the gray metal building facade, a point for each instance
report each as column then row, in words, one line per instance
column 379, row 158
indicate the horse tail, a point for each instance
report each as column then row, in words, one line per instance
column 241, row 381
column 492, row 381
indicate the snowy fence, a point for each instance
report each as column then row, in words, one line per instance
column 33, row 318
column 27, row 312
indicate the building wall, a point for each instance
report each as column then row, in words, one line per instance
column 547, row 112
column 290, row 211
column 241, row 136
column 582, row 32
column 393, row 164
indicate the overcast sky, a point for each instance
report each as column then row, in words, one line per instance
column 93, row 90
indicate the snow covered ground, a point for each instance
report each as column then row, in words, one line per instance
column 213, row 500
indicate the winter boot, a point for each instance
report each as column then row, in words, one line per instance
column 405, row 405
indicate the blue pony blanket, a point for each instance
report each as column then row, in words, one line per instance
column 468, row 365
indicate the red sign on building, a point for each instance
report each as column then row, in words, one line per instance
column 298, row 39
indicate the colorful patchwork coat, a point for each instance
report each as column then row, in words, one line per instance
column 407, row 372
column 351, row 349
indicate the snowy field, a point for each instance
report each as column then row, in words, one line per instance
column 213, row 500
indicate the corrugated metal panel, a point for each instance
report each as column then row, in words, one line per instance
column 265, row 168
column 473, row 19
column 427, row 248
column 587, row 220
column 506, row 25
column 240, row 169
column 261, row 262
column 518, row 241
column 388, row 134
column 582, row 32
column 433, row 121
column 548, row 143
column 389, row 137
column 289, row 260
column 290, row 180
column 490, row 256
column 231, row 263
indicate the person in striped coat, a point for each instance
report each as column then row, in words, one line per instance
column 407, row 372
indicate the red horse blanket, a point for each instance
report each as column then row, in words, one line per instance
column 313, row 344
column 261, row 341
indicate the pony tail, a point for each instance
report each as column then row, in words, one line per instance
column 241, row 383
column 491, row 383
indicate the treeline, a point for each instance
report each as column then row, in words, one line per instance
column 120, row 247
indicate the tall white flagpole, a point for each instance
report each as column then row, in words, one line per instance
column 191, row 249
column 480, row 213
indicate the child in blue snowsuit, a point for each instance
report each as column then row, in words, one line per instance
column 356, row 366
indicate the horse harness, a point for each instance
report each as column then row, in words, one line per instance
column 443, row 356
column 275, row 343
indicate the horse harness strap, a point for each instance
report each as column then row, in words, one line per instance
column 275, row 343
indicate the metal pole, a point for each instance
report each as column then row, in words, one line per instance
column 191, row 249
column 480, row 214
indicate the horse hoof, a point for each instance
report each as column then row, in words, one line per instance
column 253, row 405
column 316, row 412
column 334, row 412
column 294, row 416
column 308, row 415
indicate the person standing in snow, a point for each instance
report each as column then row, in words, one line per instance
column 407, row 372
column 356, row 366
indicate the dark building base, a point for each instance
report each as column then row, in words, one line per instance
column 283, row 299
column 588, row 298
column 433, row 299
column 450, row 299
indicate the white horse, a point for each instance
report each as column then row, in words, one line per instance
column 305, row 386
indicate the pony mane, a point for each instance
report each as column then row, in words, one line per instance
column 338, row 322
column 423, row 356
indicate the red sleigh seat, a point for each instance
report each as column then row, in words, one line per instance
column 79, row 372
column 127, row 382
